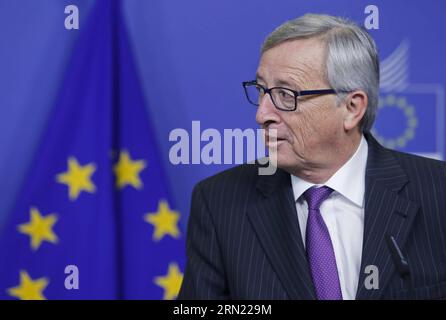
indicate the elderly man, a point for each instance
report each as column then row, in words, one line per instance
column 342, row 217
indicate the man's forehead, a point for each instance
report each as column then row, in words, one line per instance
column 301, row 53
column 296, row 59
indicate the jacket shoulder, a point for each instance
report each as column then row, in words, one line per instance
column 420, row 166
column 244, row 176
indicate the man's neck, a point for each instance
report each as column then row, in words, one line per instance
column 319, row 174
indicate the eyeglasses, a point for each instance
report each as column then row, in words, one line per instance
column 283, row 98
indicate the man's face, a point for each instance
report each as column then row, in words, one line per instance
column 307, row 138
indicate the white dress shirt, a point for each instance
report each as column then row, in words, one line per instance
column 343, row 213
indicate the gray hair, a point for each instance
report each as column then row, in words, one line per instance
column 352, row 61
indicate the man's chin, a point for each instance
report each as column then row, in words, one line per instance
column 278, row 156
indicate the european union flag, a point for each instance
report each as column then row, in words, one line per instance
column 95, row 219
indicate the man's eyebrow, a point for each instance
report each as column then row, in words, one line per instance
column 279, row 83
column 285, row 83
column 259, row 77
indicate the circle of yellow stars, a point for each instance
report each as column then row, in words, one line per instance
column 411, row 122
column 78, row 179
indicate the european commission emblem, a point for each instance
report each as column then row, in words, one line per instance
column 410, row 116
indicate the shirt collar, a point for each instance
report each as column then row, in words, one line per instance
column 349, row 180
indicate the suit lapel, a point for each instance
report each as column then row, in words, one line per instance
column 274, row 219
column 386, row 214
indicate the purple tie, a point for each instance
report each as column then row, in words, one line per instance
column 320, row 249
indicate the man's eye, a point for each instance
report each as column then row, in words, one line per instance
column 260, row 90
column 286, row 94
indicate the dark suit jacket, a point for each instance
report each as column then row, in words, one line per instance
column 244, row 241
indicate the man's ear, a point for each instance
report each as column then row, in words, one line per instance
column 356, row 105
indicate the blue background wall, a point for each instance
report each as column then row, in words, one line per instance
column 192, row 57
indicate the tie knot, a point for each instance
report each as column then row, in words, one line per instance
column 315, row 196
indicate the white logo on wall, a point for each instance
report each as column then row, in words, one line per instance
column 398, row 93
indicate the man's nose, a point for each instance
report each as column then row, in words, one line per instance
column 266, row 111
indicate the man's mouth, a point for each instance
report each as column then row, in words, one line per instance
column 274, row 138
column 274, row 142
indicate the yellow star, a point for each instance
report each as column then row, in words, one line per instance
column 127, row 171
column 164, row 221
column 29, row 289
column 171, row 283
column 77, row 178
column 39, row 228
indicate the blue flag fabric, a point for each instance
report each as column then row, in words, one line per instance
column 95, row 219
